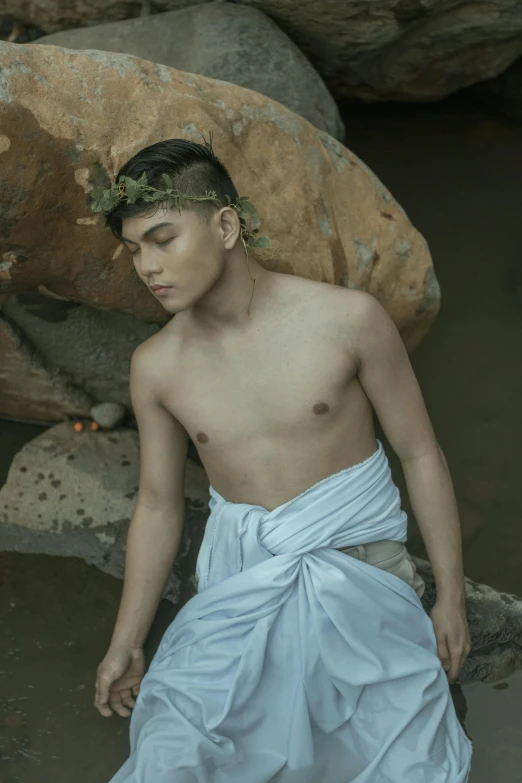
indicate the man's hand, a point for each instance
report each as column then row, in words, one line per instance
column 118, row 680
column 452, row 633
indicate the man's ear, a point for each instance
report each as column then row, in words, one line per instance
column 230, row 226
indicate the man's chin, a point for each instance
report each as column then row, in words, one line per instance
column 174, row 308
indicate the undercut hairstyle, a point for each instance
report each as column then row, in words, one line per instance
column 194, row 169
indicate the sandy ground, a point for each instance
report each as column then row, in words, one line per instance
column 458, row 174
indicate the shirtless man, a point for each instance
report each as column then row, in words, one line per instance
column 275, row 400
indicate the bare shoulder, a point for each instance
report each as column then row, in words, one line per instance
column 317, row 290
column 153, row 359
column 163, row 439
column 345, row 308
column 350, row 320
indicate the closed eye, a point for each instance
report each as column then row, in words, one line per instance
column 160, row 244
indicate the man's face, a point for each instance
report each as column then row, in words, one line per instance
column 177, row 250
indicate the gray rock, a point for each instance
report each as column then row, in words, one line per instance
column 504, row 93
column 390, row 50
column 222, row 41
column 73, row 494
column 91, row 346
column 30, row 386
column 108, row 415
column 54, row 15
column 401, row 50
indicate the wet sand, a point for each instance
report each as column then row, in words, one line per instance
column 458, row 175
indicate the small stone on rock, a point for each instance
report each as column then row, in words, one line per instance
column 108, row 415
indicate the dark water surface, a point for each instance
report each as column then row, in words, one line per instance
column 458, row 175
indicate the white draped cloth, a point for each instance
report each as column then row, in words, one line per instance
column 296, row 663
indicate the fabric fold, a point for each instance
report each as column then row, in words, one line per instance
column 296, row 663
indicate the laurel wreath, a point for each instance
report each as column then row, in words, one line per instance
column 130, row 190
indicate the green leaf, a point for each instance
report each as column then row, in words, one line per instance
column 248, row 207
column 250, row 210
column 107, row 201
column 168, row 181
column 262, row 242
column 131, row 190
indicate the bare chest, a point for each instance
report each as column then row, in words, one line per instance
column 268, row 390
column 291, row 379
column 273, row 413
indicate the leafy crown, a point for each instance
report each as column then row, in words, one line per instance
column 129, row 190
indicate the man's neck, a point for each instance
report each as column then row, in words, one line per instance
column 235, row 303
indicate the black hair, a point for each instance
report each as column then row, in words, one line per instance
column 194, row 169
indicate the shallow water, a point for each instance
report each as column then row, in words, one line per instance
column 458, row 174
column 494, row 722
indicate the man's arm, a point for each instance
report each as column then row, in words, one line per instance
column 157, row 522
column 387, row 377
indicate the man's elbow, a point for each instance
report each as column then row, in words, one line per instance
column 410, row 453
column 443, row 458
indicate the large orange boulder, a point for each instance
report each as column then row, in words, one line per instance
column 69, row 120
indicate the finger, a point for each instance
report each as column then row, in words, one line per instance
column 104, row 710
column 117, row 706
column 444, row 653
column 458, row 655
column 454, row 669
column 461, row 659
column 101, row 697
column 126, row 698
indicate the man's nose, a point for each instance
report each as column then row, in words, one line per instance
column 149, row 264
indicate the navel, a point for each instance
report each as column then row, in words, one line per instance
column 202, row 437
column 321, row 407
